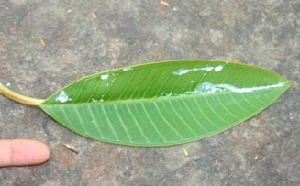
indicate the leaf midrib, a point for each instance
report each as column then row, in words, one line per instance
column 162, row 98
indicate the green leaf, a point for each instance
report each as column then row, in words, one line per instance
column 164, row 103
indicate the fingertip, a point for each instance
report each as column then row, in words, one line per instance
column 20, row 152
column 37, row 151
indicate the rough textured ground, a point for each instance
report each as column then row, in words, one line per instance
column 45, row 45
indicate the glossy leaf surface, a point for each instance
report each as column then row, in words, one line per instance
column 164, row 103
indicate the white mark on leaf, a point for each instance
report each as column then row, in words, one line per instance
column 104, row 76
column 207, row 87
column 207, row 69
column 63, row 97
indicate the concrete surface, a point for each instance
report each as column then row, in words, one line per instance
column 45, row 45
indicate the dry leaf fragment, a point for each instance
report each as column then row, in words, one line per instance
column 42, row 43
column 67, row 61
column 185, row 151
column 71, row 147
column 93, row 15
column 255, row 157
column 164, row 2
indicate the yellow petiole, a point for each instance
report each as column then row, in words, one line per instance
column 18, row 97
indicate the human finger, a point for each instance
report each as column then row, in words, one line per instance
column 21, row 152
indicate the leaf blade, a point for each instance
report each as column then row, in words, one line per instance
column 164, row 103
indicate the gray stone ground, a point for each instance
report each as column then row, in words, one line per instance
column 83, row 37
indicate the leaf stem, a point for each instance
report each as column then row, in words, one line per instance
column 18, row 97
